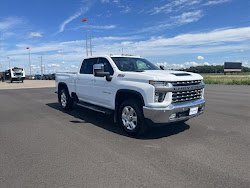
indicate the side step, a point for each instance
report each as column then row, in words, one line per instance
column 95, row 108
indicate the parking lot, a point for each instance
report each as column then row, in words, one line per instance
column 43, row 146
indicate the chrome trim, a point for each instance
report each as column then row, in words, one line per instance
column 171, row 88
column 162, row 115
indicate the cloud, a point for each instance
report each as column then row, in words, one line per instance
column 126, row 9
column 53, row 65
column 60, row 51
column 206, row 63
column 200, row 58
column 35, row 34
column 105, row 1
column 83, row 9
column 188, row 17
column 96, row 27
column 9, row 23
column 175, row 6
column 216, row 41
column 216, row 2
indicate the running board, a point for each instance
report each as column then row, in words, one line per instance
column 95, row 108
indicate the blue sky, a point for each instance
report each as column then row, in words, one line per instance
column 176, row 33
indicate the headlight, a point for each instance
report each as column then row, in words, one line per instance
column 158, row 83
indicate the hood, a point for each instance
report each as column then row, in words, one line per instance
column 169, row 75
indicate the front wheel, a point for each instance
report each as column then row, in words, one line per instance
column 131, row 117
column 65, row 100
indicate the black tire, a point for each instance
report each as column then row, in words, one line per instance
column 22, row 81
column 141, row 126
column 67, row 101
column 11, row 81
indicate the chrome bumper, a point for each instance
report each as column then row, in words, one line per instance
column 181, row 111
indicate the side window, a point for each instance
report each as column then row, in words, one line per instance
column 107, row 66
column 87, row 66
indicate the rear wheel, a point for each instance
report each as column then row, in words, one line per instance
column 131, row 117
column 65, row 100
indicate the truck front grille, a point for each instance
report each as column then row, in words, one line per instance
column 183, row 96
column 186, row 83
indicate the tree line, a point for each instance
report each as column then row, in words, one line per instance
column 210, row 69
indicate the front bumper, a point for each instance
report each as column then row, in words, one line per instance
column 181, row 111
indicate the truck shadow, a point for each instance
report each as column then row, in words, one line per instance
column 82, row 115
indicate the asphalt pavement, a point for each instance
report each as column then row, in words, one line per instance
column 43, row 146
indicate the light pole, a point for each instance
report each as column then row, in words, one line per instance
column 9, row 61
column 41, row 65
column 85, row 20
column 28, row 48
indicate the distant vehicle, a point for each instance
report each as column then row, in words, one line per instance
column 38, row 77
column 48, row 77
column 132, row 89
column 16, row 74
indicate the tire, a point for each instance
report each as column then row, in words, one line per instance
column 65, row 100
column 11, row 81
column 131, row 119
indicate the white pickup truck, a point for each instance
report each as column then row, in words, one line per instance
column 134, row 90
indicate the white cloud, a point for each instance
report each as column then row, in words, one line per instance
column 9, row 23
column 230, row 40
column 60, row 51
column 83, row 9
column 216, row 2
column 127, row 9
column 53, row 65
column 101, row 27
column 206, row 63
column 200, row 57
column 105, row 1
column 188, row 17
column 191, row 64
column 35, row 34
column 174, row 6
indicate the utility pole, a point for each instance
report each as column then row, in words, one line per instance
column 29, row 59
column 91, row 45
column 85, row 20
column 41, row 65
column 9, row 61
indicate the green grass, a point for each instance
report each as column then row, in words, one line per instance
column 235, row 79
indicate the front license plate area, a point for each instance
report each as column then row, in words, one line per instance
column 193, row 111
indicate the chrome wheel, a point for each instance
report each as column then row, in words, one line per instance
column 63, row 100
column 129, row 118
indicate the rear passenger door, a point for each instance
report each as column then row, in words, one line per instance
column 84, row 81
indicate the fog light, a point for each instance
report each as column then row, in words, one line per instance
column 173, row 116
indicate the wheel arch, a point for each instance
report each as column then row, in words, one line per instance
column 124, row 94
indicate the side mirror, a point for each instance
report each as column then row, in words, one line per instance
column 98, row 70
column 162, row 67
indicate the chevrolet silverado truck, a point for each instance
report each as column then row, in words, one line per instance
column 132, row 89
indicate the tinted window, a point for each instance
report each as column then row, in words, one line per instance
column 107, row 66
column 133, row 64
column 87, row 66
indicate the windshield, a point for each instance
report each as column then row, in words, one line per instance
column 17, row 70
column 133, row 64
